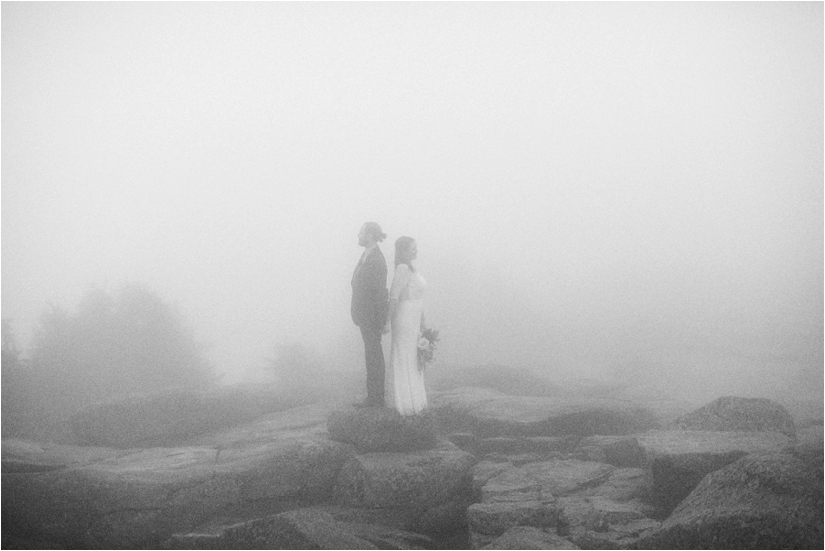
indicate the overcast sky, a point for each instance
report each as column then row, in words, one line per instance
column 593, row 187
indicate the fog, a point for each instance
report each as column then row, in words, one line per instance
column 608, row 191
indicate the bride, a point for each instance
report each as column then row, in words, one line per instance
column 404, row 388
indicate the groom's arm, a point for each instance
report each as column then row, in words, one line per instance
column 375, row 289
column 375, row 279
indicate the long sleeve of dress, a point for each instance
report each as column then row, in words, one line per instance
column 399, row 282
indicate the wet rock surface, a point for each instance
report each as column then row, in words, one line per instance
column 136, row 498
column 374, row 429
column 677, row 460
column 488, row 414
column 299, row 529
column 770, row 500
column 169, row 418
column 529, row 537
column 487, row 470
column 413, row 479
column 731, row 413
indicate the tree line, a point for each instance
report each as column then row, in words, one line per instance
column 113, row 345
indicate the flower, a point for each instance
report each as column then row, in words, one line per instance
column 426, row 346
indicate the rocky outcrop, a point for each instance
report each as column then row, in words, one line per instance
column 381, row 430
column 768, row 500
column 137, row 498
column 169, row 418
column 527, row 496
column 426, row 491
column 731, row 413
column 677, row 460
column 487, row 413
column 554, row 473
column 545, row 447
column 23, row 456
column 412, row 480
column 612, row 515
column 300, row 529
column 512, row 498
column 529, row 537
column 621, row 451
column 593, row 505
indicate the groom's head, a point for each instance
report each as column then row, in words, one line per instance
column 370, row 234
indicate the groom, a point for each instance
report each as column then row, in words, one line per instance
column 369, row 308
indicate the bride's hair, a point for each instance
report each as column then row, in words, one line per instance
column 373, row 229
column 402, row 251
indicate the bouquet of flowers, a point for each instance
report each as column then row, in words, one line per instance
column 426, row 347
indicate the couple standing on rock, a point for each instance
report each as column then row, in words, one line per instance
column 376, row 311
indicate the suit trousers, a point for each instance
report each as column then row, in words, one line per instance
column 374, row 356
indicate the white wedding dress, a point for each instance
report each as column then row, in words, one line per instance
column 404, row 382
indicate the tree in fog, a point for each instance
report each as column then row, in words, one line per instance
column 10, row 353
column 13, row 384
column 113, row 345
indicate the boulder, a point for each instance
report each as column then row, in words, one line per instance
column 539, row 445
column 410, row 480
column 488, row 521
column 169, row 418
column 138, row 498
column 624, row 536
column 485, row 470
column 612, row 515
column 564, row 476
column 731, row 413
column 487, row 413
column 591, row 504
column 426, row 523
column 511, row 498
column 621, row 451
column 677, row 460
column 381, row 430
column 521, row 458
column 527, row 496
column 529, row 537
column 770, row 500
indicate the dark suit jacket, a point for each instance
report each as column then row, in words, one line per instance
column 369, row 291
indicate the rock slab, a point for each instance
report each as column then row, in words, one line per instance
column 138, row 498
column 488, row 414
column 373, row 429
column 299, row 529
column 527, row 496
column 529, row 537
column 169, row 418
column 412, row 480
column 732, row 413
column 769, row 500
column 677, row 460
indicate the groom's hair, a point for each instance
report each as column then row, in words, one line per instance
column 373, row 229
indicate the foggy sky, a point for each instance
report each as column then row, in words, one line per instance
column 597, row 190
